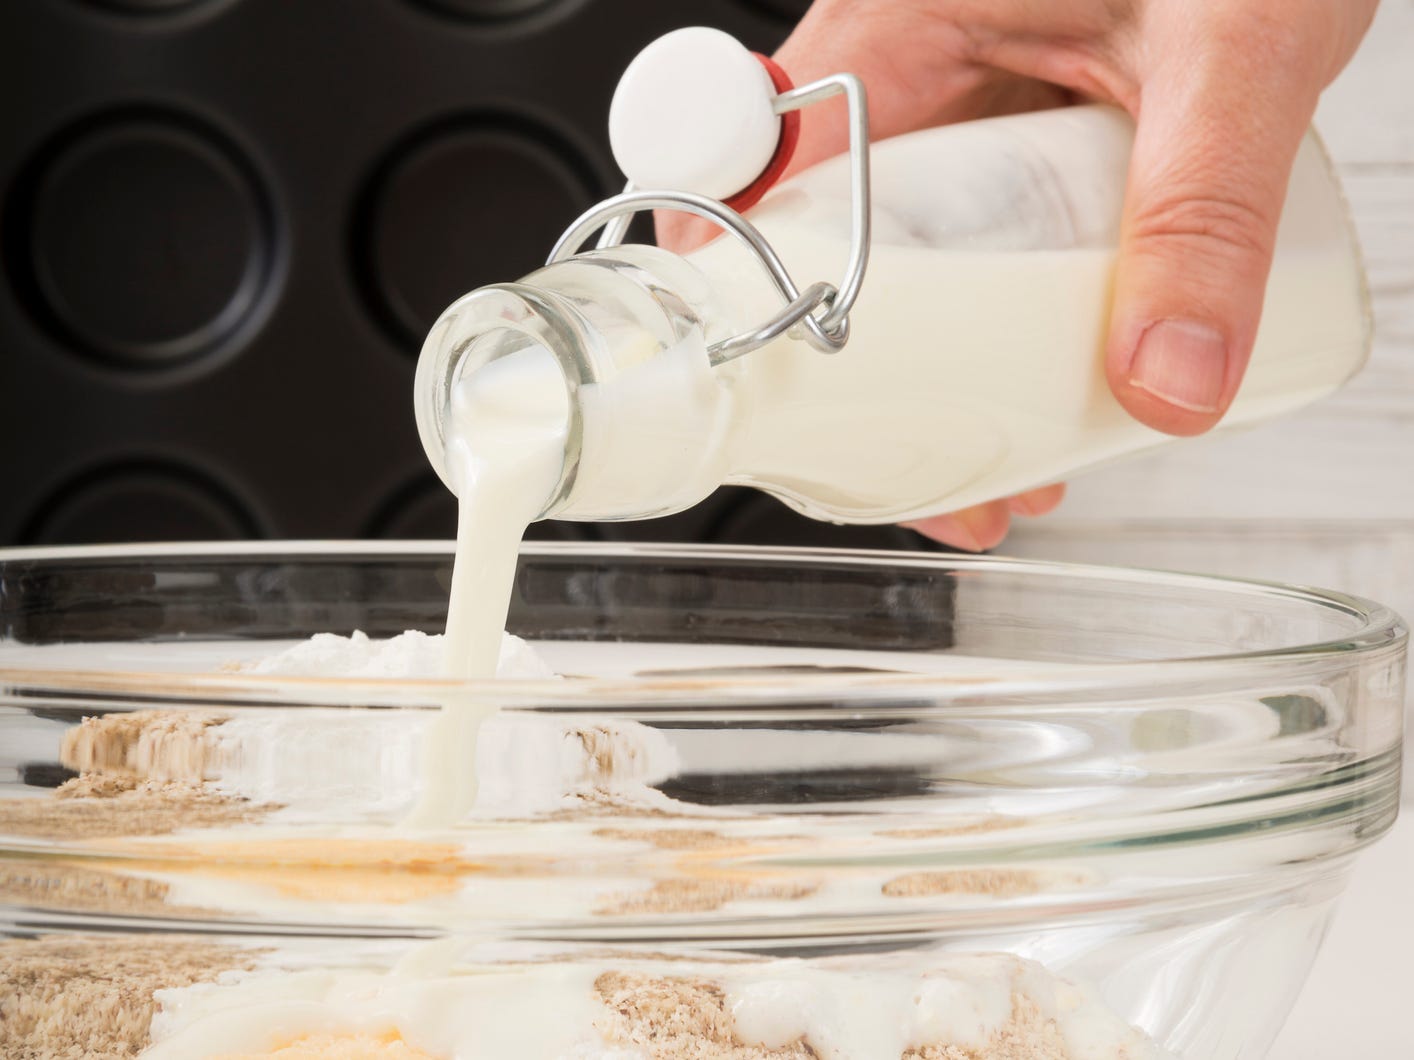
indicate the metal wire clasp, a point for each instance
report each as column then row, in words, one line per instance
column 818, row 315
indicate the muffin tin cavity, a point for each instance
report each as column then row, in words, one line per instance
column 146, row 238
column 493, row 11
column 475, row 200
column 140, row 501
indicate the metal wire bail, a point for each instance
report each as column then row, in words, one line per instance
column 818, row 315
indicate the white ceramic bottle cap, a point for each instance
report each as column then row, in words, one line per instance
column 693, row 112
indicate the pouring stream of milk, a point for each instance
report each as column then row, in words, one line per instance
column 505, row 448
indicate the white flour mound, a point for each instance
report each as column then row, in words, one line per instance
column 412, row 654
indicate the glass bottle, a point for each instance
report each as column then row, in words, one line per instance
column 975, row 364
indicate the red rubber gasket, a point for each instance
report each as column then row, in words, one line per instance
column 750, row 195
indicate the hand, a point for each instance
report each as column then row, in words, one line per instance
column 1222, row 92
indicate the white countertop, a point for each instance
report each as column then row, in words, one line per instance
column 1359, row 1001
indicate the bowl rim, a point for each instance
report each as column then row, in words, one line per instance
column 1379, row 631
column 1349, row 798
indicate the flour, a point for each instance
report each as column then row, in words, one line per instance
column 413, row 655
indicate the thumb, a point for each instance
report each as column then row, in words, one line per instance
column 906, row 60
column 1207, row 180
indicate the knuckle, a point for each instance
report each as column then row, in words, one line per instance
column 1210, row 223
column 1283, row 42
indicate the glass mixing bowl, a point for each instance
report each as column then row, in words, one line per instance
column 782, row 804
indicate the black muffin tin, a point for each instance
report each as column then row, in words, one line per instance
column 228, row 223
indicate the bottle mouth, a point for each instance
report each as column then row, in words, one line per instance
column 532, row 394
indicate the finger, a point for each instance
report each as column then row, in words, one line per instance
column 974, row 529
column 1206, row 185
column 915, row 76
column 1038, row 501
column 911, row 61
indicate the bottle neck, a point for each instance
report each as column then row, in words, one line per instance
column 498, row 371
column 602, row 358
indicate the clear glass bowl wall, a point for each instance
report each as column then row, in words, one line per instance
column 1150, row 784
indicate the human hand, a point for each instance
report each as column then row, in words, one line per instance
column 1222, row 93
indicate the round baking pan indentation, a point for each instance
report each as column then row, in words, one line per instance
column 140, row 501
column 488, row 10
column 758, row 519
column 426, row 509
column 467, row 203
column 141, row 238
column 561, row 530
column 144, row 7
